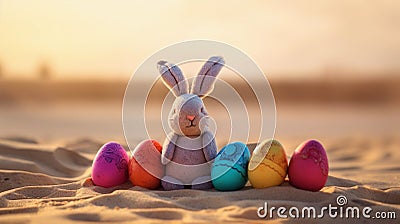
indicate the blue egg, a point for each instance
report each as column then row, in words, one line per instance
column 229, row 171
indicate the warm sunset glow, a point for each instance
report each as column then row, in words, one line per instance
column 99, row 39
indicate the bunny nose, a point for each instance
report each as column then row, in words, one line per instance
column 190, row 118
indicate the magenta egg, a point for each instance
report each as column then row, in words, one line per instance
column 308, row 167
column 110, row 165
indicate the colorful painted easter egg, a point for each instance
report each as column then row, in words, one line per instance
column 308, row 167
column 229, row 171
column 268, row 165
column 110, row 165
column 145, row 166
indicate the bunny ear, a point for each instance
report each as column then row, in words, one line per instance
column 173, row 78
column 203, row 84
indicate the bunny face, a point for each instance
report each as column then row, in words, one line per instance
column 187, row 115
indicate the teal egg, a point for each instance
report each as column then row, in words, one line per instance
column 229, row 171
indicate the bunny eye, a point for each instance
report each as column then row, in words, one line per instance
column 202, row 110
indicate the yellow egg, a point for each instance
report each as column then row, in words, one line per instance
column 268, row 165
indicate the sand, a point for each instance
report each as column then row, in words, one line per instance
column 40, row 182
column 48, row 142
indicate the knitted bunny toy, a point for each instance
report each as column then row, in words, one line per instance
column 190, row 148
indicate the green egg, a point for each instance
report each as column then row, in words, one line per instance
column 229, row 171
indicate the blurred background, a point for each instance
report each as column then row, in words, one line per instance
column 64, row 65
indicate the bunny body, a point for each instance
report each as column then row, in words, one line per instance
column 182, row 156
column 190, row 148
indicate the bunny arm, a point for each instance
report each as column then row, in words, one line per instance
column 210, row 150
column 169, row 148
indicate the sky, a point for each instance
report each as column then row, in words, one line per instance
column 110, row 39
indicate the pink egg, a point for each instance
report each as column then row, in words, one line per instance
column 110, row 165
column 308, row 167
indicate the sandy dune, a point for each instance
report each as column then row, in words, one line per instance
column 39, row 182
column 45, row 178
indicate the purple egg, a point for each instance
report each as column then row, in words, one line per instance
column 110, row 165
